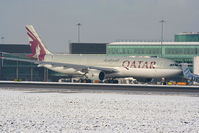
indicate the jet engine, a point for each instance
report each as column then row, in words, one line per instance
column 94, row 74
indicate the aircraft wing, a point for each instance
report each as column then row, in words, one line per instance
column 66, row 65
column 79, row 67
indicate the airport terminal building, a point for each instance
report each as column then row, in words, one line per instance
column 182, row 50
column 25, row 71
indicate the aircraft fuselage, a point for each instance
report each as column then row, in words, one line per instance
column 126, row 66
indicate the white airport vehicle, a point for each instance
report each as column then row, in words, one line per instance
column 98, row 67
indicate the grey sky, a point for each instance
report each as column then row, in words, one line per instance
column 102, row 20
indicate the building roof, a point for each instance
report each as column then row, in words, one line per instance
column 188, row 33
column 153, row 43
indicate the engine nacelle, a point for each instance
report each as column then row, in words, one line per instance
column 95, row 74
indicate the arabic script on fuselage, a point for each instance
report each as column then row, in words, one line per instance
column 111, row 60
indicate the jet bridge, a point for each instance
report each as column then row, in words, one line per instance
column 187, row 73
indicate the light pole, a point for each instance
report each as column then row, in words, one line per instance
column 162, row 31
column 78, row 32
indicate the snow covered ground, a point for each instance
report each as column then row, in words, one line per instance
column 29, row 111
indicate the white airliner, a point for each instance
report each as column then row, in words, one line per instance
column 99, row 67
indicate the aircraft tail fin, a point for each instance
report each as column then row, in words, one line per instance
column 37, row 47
